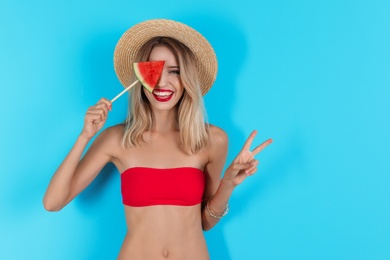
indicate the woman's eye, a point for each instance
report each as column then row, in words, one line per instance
column 175, row 72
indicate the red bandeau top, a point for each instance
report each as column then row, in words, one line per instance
column 142, row 186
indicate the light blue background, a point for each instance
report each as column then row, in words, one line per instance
column 313, row 75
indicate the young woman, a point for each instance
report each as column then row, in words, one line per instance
column 170, row 161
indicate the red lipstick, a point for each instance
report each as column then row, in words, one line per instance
column 162, row 95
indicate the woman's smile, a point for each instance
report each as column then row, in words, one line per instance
column 162, row 95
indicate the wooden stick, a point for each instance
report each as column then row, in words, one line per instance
column 124, row 91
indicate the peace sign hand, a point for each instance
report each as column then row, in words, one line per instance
column 245, row 163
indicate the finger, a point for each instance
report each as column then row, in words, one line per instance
column 254, row 164
column 241, row 166
column 100, row 106
column 260, row 147
column 107, row 102
column 94, row 119
column 102, row 109
column 249, row 141
column 252, row 172
column 104, row 105
column 100, row 112
column 97, row 113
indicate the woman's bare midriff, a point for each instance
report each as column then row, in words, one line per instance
column 164, row 232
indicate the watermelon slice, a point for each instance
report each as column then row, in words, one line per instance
column 148, row 73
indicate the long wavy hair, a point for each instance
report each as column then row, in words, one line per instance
column 190, row 109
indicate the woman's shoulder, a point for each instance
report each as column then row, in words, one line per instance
column 112, row 135
column 217, row 135
column 115, row 129
column 217, row 150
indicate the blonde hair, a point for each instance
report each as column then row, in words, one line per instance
column 190, row 109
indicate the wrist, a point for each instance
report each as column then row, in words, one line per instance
column 216, row 214
column 84, row 138
column 228, row 184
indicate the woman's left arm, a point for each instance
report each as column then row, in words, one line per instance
column 218, row 191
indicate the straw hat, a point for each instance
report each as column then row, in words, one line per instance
column 132, row 40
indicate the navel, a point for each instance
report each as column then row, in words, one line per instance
column 165, row 253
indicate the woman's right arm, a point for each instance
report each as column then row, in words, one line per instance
column 74, row 173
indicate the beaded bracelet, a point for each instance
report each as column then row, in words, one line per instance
column 213, row 213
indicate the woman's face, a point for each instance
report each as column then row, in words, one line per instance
column 169, row 89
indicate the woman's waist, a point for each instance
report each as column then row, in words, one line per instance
column 164, row 218
column 159, row 232
column 163, row 239
column 152, row 245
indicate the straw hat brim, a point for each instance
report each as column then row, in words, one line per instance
column 132, row 40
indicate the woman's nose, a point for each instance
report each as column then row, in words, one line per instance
column 163, row 79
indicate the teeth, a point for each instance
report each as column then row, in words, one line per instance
column 162, row 94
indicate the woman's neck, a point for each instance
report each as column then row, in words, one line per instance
column 165, row 121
